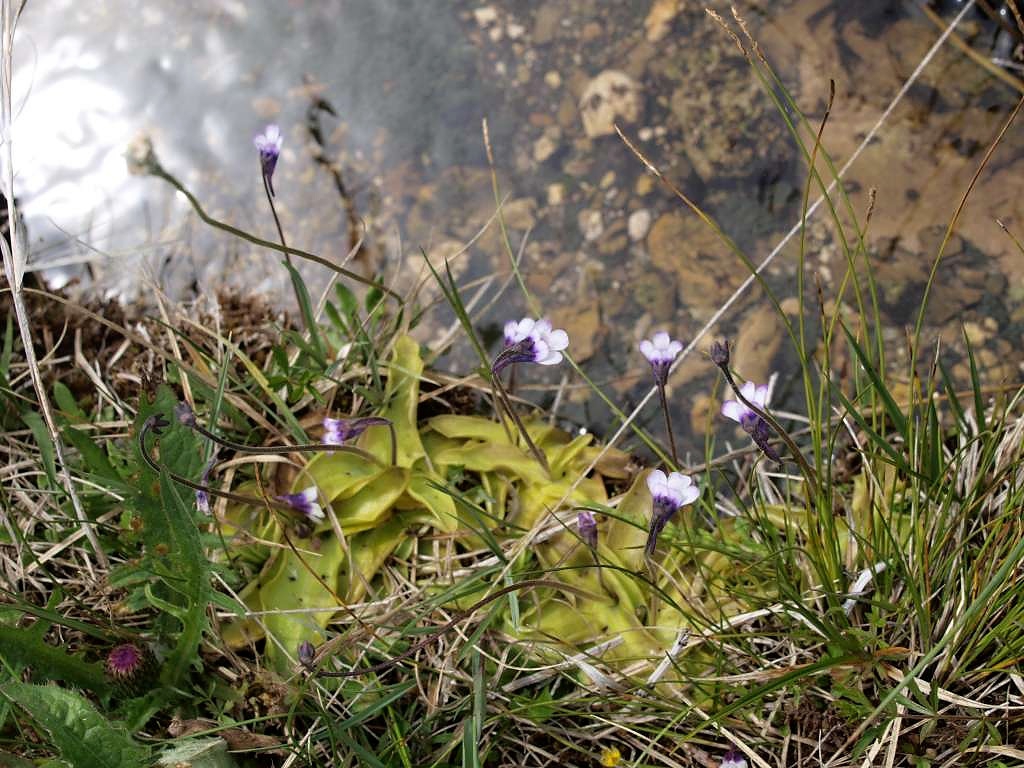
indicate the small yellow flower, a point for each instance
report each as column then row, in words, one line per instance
column 611, row 757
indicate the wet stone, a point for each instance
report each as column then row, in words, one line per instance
column 659, row 19
column 639, row 224
column 704, row 269
column 591, row 224
column 583, row 324
column 758, row 341
column 610, row 97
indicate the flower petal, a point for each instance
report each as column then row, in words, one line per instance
column 733, row 409
column 760, row 398
column 657, row 482
column 678, row 482
column 689, row 495
column 558, row 339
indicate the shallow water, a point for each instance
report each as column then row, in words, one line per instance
column 609, row 253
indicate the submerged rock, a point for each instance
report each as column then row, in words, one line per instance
column 611, row 96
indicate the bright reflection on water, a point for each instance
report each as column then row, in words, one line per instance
column 201, row 78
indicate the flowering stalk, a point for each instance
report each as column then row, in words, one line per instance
column 146, row 162
column 527, row 341
column 503, row 397
column 269, row 145
column 660, row 351
column 186, row 417
column 340, row 431
column 759, row 430
column 668, row 424
column 156, row 424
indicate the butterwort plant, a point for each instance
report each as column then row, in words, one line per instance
column 669, row 494
column 527, row 341
column 661, row 351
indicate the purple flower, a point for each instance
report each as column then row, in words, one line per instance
column 202, row 497
column 125, row 661
column 719, row 353
column 269, row 145
column 733, row 759
column 340, row 431
column 752, row 424
column 531, row 341
column 307, row 653
column 670, row 494
column 184, row 414
column 587, row 524
column 305, row 503
column 739, row 412
column 660, row 351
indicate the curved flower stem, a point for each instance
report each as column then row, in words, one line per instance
column 668, row 424
column 303, row 448
column 505, row 401
column 806, row 469
column 155, row 424
column 159, row 171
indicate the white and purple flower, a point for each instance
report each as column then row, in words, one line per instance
column 531, row 341
column 306, row 503
column 269, row 145
column 670, row 493
column 661, row 350
column 738, row 411
column 733, row 759
column 340, row 431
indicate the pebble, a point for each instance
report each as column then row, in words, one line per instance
column 545, row 23
column 544, row 147
column 611, row 96
column 518, row 213
column 759, row 338
column 591, row 224
column 659, row 19
column 553, row 79
column 644, row 185
column 515, row 31
column 556, row 194
column 639, row 224
column 485, row 16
